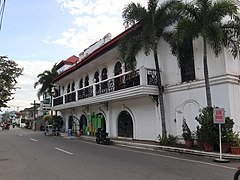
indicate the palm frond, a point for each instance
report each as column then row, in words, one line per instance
column 132, row 14
column 220, row 9
column 214, row 36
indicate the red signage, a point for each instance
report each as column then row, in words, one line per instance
column 218, row 115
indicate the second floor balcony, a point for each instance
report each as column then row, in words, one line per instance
column 126, row 85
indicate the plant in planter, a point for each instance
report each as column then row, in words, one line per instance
column 199, row 138
column 187, row 135
column 227, row 134
column 208, row 130
column 235, row 148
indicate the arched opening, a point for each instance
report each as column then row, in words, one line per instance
column 101, row 121
column 68, row 88
column 118, row 81
column 73, row 86
column 83, row 124
column 96, row 80
column 70, row 122
column 86, row 83
column 81, row 83
column 104, row 76
column 125, row 125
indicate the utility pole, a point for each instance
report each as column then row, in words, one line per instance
column 34, row 113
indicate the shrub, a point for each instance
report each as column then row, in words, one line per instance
column 169, row 140
column 187, row 134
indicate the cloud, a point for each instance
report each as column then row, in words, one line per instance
column 93, row 19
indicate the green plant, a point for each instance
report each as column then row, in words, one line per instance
column 169, row 140
column 187, row 134
column 208, row 131
column 235, row 139
column 198, row 133
column 227, row 130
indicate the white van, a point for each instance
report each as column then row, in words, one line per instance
column 48, row 130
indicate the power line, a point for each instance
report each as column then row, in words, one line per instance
column 2, row 8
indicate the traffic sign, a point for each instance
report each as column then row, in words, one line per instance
column 218, row 116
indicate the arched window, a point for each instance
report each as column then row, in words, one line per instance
column 63, row 89
column 96, row 79
column 104, row 74
column 118, row 82
column 81, row 83
column 118, row 68
column 86, row 83
column 68, row 88
column 73, row 86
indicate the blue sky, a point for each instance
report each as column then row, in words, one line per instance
column 39, row 33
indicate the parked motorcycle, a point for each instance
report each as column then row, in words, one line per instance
column 102, row 136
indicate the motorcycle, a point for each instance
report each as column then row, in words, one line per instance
column 102, row 137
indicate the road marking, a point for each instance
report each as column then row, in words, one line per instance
column 62, row 150
column 33, row 139
column 20, row 134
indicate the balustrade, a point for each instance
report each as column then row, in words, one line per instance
column 122, row 81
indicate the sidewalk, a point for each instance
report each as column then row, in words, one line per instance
column 155, row 146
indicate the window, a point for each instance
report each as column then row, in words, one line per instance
column 73, row 86
column 96, row 77
column 187, row 61
column 81, row 83
column 86, row 83
column 68, row 88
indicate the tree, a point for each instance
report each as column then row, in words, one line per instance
column 9, row 72
column 45, row 80
column 147, row 28
column 205, row 18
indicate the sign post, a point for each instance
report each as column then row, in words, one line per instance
column 219, row 118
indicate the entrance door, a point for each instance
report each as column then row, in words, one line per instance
column 125, row 125
column 83, row 124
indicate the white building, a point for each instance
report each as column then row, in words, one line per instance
column 98, row 91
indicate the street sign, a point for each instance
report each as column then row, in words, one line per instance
column 218, row 116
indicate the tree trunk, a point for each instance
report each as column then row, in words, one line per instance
column 206, row 76
column 160, row 94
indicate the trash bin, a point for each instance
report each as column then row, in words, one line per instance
column 69, row 132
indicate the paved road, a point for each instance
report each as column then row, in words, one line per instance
column 29, row 155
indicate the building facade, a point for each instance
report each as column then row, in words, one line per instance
column 98, row 90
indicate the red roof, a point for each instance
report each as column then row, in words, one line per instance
column 71, row 60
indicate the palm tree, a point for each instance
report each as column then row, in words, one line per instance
column 204, row 18
column 147, row 27
column 45, row 80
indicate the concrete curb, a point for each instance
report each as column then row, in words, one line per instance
column 152, row 147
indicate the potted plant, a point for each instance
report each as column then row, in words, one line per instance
column 235, row 148
column 199, row 138
column 209, row 130
column 187, row 135
column 227, row 134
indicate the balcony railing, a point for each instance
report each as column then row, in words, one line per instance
column 58, row 101
column 70, row 97
column 122, row 81
column 85, row 92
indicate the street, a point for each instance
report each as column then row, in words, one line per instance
column 29, row 155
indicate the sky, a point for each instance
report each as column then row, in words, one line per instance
column 36, row 34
